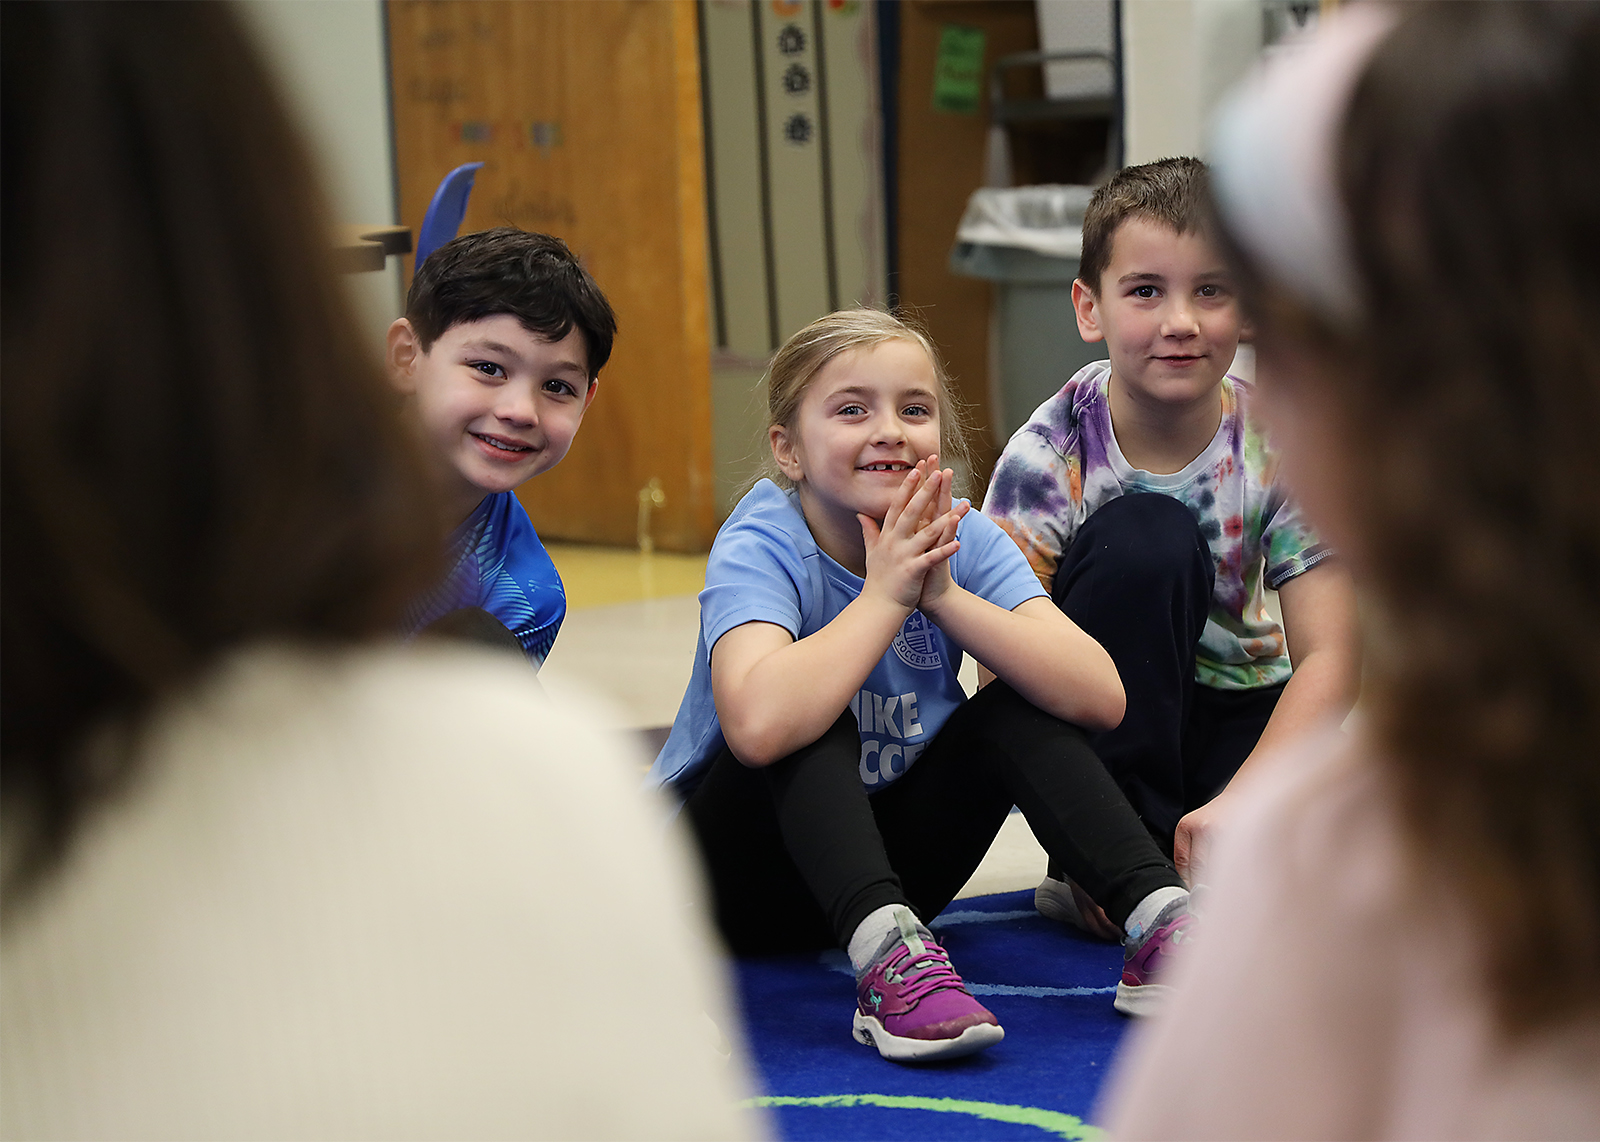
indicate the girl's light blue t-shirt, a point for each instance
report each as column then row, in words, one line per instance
column 765, row 567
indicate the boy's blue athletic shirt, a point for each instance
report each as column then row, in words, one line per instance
column 498, row 563
column 766, row 567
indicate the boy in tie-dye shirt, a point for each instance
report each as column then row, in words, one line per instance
column 1146, row 498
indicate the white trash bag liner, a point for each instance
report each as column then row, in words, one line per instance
column 1045, row 219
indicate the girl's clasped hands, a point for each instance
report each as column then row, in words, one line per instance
column 908, row 554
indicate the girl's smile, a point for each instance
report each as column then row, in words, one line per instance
column 868, row 416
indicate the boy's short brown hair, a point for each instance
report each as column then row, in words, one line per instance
column 1173, row 192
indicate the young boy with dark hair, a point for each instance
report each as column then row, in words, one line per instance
column 1144, row 495
column 499, row 356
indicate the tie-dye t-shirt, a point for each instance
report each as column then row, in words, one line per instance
column 1064, row 465
column 497, row 563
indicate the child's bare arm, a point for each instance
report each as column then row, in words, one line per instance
column 1040, row 652
column 1035, row 648
column 775, row 694
column 1320, row 623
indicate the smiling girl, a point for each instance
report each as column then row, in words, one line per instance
column 840, row 781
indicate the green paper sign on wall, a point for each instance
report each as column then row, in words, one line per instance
column 958, row 72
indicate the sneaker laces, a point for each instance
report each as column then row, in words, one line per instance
column 1178, row 930
column 1180, row 933
column 920, row 966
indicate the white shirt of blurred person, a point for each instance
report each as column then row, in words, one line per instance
column 267, row 873
column 379, row 894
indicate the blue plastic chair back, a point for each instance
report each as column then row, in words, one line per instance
column 446, row 210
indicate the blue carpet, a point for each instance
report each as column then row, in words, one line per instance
column 1050, row 988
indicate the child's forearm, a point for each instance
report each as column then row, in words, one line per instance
column 1323, row 632
column 1319, row 621
column 1321, row 690
column 1039, row 652
column 772, row 701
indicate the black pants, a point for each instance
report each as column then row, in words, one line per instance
column 799, row 855
column 1138, row 579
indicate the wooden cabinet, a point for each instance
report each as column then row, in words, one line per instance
column 587, row 116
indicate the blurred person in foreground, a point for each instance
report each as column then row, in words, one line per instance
column 267, row 874
column 1404, row 934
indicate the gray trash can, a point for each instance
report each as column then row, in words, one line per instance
column 1027, row 241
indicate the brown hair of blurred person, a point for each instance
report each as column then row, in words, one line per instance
column 198, row 451
column 1467, row 401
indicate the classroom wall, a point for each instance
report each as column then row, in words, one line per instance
column 793, row 167
column 331, row 64
column 1179, row 57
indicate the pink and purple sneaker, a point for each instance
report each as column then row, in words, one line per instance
column 1139, row 993
column 913, row 1006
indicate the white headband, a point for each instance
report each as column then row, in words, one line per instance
column 1272, row 159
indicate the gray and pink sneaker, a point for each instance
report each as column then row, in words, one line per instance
column 1142, row 963
column 913, row 1006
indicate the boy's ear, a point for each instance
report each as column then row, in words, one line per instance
column 588, row 397
column 784, row 452
column 1086, row 307
column 402, row 353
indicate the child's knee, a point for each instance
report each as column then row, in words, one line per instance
column 1000, row 714
column 1139, row 543
column 839, row 747
column 844, row 733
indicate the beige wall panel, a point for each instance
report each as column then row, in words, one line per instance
column 794, row 164
column 328, row 55
column 1181, row 58
column 856, row 146
column 587, row 115
column 735, row 163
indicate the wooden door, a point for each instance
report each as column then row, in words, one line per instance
column 587, row 116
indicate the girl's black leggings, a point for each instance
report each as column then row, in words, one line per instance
column 798, row 854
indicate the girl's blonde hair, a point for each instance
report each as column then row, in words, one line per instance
column 803, row 356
